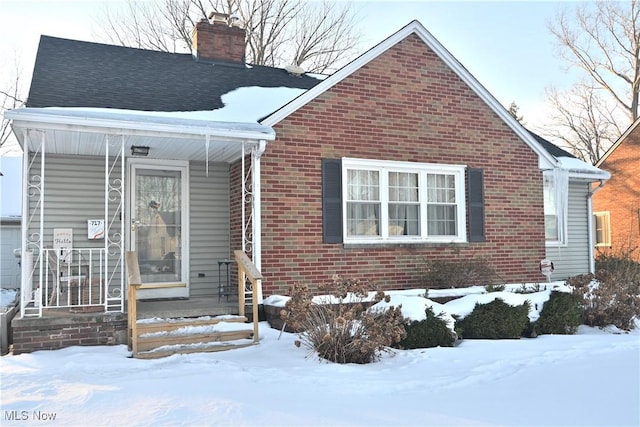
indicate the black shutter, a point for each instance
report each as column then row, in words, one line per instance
column 331, row 200
column 476, row 205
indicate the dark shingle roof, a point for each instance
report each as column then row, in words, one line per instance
column 552, row 149
column 70, row 73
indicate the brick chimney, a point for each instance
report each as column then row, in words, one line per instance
column 216, row 39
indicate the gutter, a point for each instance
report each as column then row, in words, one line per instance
column 156, row 124
column 592, row 259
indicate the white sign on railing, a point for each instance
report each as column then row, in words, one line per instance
column 63, row 244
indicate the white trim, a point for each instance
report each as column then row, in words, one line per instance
column 422, row 169
column 545, row 160
column 183, row 167
column 607, row 216
column 119, row 123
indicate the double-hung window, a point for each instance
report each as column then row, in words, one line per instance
column 403, row 201
column 602, row 228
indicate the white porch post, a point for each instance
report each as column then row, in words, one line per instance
column 256, row 153
column 25, row 260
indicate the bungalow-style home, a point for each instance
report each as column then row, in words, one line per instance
column 617, row 205
column 398, row 157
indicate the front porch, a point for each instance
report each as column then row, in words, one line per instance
column 184, row 207
column 59, row 328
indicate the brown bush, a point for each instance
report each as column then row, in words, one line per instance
column 612, row 295
column 342, row 330
column 457, row 272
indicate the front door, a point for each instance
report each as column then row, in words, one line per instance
column 158, row 215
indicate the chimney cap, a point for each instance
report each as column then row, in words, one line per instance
column 219, row 18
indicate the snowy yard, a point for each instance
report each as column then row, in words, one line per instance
column 591, row 378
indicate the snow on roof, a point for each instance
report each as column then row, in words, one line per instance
column 577, row 166
column 242, row 105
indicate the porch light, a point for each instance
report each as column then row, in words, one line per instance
column 139, row 150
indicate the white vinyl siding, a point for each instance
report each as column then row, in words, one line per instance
column 572, row 259
column 209, row 231
column 74, row 192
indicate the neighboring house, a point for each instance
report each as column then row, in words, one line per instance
column 399, row 157
column 617, row 204
column 10, row 230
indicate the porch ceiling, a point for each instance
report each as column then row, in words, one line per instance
column 82, row 132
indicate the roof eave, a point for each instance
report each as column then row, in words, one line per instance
column 45, row 119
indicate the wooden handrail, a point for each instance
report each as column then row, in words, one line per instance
column 247, row 270
column 135, row 284
column 134, row 281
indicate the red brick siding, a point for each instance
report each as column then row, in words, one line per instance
column 405, row 105
column 621, row 195
column 52, row 333
column 219, row 42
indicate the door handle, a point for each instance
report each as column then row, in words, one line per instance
column 134, row 224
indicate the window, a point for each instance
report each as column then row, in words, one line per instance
column 555, row 206
column 603, row 228
column 403, row 201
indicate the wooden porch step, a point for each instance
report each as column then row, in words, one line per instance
column 145, row 326
column 194, row 348
column 163, row 337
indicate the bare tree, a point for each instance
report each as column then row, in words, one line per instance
column 318, row 36
column 584, row 121
column 604, row 42
column 10, row 98
column 514, row 110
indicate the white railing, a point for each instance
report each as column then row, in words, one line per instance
column 73, row 279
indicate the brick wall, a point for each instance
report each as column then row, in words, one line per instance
column 405, row 105
column 219, row 42
column 621, row 195
column 55, row 332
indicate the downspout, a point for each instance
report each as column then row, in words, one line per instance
column 592, row 259
column 257, row 210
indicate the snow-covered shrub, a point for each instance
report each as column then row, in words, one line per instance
column 458, row 271
column 612, row 295
column 340, row 329
column 433, row 331
column 495, row 320
column 561, row 314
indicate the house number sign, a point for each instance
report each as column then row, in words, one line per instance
column 95, row 229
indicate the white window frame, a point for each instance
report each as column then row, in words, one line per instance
column 422, row 169
column 562, row 217
column 606, row 217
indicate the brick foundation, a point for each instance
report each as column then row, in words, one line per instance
column 52, row 333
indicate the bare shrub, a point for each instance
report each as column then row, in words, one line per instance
column 612, row 295
column 459, row 271
column 341, row 330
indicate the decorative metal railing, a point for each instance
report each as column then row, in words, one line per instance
column 73, row 279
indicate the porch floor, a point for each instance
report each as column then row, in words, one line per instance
column 179, row 307
column 192, row 307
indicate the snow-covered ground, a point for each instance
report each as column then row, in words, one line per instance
column 591, row 378
column 7, row 298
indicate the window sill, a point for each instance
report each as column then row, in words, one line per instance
column 556, row 244
column 396, row 245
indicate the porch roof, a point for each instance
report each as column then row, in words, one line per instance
column 83, row 131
